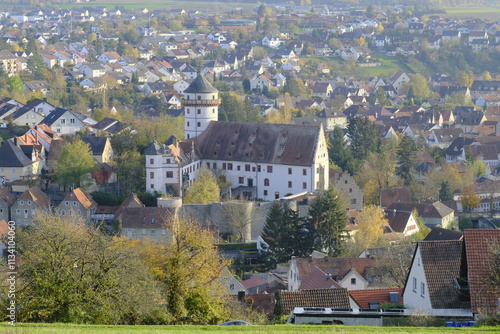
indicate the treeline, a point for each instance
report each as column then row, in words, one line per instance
column 73, row 273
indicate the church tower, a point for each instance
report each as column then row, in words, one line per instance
column 201, row 106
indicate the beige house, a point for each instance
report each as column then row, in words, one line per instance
column 102, row 152
column 78, row 203
column 6, row 201
column 146, row 223
column 17, row 163
column 26, row 206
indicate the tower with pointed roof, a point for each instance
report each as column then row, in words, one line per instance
column 201, row 106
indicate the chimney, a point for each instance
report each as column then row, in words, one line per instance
column 394, row 212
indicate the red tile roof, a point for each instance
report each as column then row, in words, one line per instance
column 318, row 279
column 481, row 247
column 253, row 282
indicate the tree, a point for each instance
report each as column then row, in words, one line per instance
column 339, row 153
column 406, row 151
column 204, row 189
column 15, row 83
column 470, row 200
column 328, row 216
column 371, row 221
column 364, row 138
column 73, row 273
column 75, row 165
column 189, row 272
column 286, row 234
column 239, row 216
column 420, row 86
column 423, row 230
column 445, row 193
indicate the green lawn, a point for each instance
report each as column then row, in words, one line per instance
column 153, row 4
column 75, row 329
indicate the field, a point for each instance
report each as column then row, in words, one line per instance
column 75, row 329
column 487, row 13
column 212, row 6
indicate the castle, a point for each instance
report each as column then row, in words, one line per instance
column 258, row 161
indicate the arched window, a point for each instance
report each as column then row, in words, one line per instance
column 266, row 182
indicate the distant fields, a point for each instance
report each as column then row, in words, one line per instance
column 487, row 13
column 271, row 329
column 212, row 6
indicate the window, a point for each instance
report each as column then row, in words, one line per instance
column 289, row 184
column 353, row 281
column 63, row 121
column 22, row 203
column 168, row 161
column 151, row 161
column 276, row 195
column 247, row 168
column 143, row 231
column 230, row 166
column 66, row 203
column 152, row 186
column 258, row 168
column 422, row 289
column 238, row 167
column 152, row 231
column 289, row 171
column 170, row 175
column 151, row 175
column 187, row 123
column 25, row 211
column 153, row 220
column 231, row 286
column 187, row 108
column 266, row 182
column 269, row 169
column 198, row 124
column 63, row 213
column 265, row 192
column 241, row 180
column 199, row 111
column 304, row 171
column 353, row 201
column 72, row 121
column 214, row 165
column 224, row 166
column 74, row 203
column 414, row 284
column 18, row 211
column 350, row 190
column 304, row 185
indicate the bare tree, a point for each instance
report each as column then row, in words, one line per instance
column 239, row 217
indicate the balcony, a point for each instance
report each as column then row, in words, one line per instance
column 201, row 103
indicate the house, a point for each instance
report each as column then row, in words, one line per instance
column 29, row 114
column 92, row 70
column 394, row 195
column 443, row 137
column 260, row 83
column 107, row 125
column 433, row 214
column 402, row 222
column 7, row 199
column 101, row 149
column 373, row 298
column 344, row 182
column 455, row 278
column 398, row 80
column 18, row 162
column 78, row 203
column 331, row 118
column 63, row 121
column 24, row 210
column 291, row 65
column 349, row 273
column 431, row 285
column 272, row 42
column 109, row 57
column 37, row 86
column 146, row 222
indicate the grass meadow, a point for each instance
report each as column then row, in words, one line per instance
column 270, row 329
column 491, row 13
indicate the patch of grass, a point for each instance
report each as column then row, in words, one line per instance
column 271, row 329
column 487, row 13
column 155, row 4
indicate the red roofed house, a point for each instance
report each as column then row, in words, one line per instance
column 373, row 298
column 26, row 206
column 78, row 203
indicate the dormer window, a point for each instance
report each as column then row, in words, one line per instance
column 143, row 219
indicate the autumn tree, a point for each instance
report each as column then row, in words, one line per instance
column 470, row 200
column 420, row 86
column 423, row 230
column 75, row 165
column 204, row 189
column 239, row 217
column 189, row 272
column 328, row 216
column 371, row 221
column 73, row 273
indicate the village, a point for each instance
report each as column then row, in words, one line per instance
column 345, row 158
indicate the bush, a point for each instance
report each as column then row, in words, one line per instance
column 464, row 222
column 490, row 319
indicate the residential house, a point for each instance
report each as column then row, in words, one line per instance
column 350, row 273
column 18, row 162
column 398, row 80
column 402, row 222
column 260, row 83
column 433, row 214
column 7, row 199
column 37, row 86
column 291, row 65
column 286, row 301
column 374, row 298
column 345, row 183
column 24, row 210
column 101, row 149
column 78, row 203
column 443, row 137
column 272, row 42
column 63, row 122
column 107, row 125
column 92, row 70
column 109, row 57
column 146, row 223
column 331, row 118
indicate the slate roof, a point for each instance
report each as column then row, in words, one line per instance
column 442, row 265
column 13, row 156
column 440, row 234
column 97, row 144
column 397, row 220
column 481, row 246
column 36, row 195
column 54, row 116
column 260, row 143
column 425, row 210
column 200, row 85
column 364, row 297
column 456, row 147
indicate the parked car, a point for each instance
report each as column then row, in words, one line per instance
column 236, row 323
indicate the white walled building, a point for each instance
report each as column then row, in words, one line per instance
column 259, row 161
column 201, row 106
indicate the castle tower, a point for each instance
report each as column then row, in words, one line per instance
column 201, row 106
